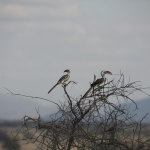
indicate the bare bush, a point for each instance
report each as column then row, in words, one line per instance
column 91, row 122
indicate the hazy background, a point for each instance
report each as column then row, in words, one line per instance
column 39, row 39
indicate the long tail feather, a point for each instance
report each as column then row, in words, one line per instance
column 87, row 92
column 52, row 88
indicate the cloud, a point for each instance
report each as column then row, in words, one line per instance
column 39, row 39
column 39, row 10
column 22, row 20
column 55, row 26
column 132, row 28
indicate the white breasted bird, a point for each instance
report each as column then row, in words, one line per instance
column 62, row 80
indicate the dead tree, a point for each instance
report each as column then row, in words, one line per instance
column 91, row 122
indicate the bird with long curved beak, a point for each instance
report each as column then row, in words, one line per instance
column 62, row 80
column 98, row 81
column 101, row 80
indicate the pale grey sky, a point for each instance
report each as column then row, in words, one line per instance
column 39, row 39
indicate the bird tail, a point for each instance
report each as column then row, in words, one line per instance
column 52, row 88
column 87, row 92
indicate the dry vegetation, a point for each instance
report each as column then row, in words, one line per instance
column 80, row 125
column 24, row 134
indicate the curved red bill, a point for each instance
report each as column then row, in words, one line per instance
column 66, row 70
column 108, row 72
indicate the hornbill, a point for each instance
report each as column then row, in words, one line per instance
column 98, row 81
column 101, row 80
column 63, row 79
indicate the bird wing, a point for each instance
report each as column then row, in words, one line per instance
column 63, row 79
column 98, row 82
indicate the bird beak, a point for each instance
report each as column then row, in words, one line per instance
column 108, row 72
column 66, row 71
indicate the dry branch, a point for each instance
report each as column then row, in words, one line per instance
column 82, row 125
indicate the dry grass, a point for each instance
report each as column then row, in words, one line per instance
column 24, row 145
column 31, row 146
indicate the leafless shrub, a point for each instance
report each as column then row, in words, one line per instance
column 80, row 124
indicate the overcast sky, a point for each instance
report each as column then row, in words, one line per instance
column 39, row 39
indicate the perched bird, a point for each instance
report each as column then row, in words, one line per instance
column 62, row 80
column 101, row 80
column 98, row 81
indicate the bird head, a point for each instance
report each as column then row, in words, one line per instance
column 67, row 70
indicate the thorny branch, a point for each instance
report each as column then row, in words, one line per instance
column 90, row 122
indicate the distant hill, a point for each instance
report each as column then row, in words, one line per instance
column 16, row 107
column 143, row 108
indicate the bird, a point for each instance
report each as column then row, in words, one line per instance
column 62, row 80
column 101, row 80
column 98, row 82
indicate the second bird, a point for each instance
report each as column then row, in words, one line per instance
column 101, row 80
